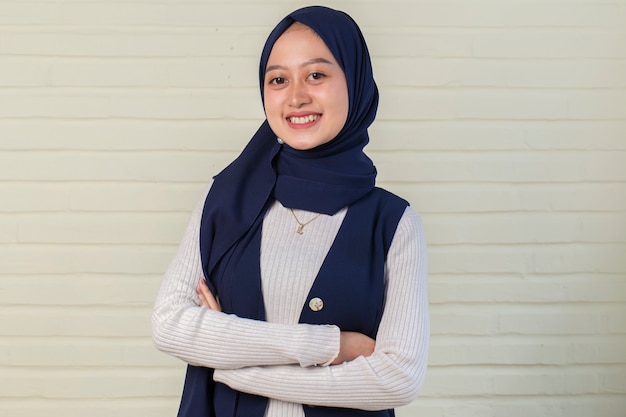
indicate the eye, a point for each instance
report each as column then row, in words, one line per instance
column 277, row 81
column 316, row 76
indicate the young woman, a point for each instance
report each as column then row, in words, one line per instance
column 299, row 288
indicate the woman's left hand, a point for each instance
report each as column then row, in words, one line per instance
column 206, row 296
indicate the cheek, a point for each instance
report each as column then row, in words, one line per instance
column 270, row 103
column 342, row 104
column 273, row 111
column 345, row 106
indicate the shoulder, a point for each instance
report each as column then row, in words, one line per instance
column 388, row 197
column 411, row 220
column 410, row 225
column 198, row 209
column 384, row 205
column 410, row 230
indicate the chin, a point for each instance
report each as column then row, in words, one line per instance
column 304, row 144
column 301, row 146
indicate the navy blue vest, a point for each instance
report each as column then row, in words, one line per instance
column 350, row 283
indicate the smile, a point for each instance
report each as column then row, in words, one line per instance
column 304, row 119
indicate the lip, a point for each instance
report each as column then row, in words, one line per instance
column 303, row 125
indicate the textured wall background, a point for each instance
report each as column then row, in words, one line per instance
column 504, row 123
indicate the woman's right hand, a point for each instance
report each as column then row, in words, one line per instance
column 206, row 296
column 353, row 345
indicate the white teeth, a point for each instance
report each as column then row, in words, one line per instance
column 302, row 120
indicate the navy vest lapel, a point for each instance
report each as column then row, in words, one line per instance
column 350, row 284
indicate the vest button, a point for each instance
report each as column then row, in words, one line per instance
column 316, row 304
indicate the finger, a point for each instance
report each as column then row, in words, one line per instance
column 203, row 300
column 211, row 301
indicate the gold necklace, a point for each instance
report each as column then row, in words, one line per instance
column 300, row 224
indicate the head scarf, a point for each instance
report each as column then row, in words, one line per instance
column 324, row 179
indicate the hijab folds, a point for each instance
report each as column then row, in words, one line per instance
column 324, row 179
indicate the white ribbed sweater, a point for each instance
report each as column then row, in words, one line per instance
column 287, row 361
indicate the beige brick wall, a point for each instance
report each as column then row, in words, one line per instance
column 504, row 123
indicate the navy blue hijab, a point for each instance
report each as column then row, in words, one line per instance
column 324, row 179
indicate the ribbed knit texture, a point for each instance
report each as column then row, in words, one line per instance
column 242, row 349
column 287, row 279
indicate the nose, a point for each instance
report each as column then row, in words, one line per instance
column 298, row 95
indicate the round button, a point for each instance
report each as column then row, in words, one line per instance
column 316, row 304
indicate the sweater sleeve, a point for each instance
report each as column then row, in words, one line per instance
column 393, row 375
column 183, row 328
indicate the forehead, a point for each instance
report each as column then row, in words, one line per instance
column 299, row 41
column 297, row 26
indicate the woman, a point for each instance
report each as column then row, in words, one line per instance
column 314, row 302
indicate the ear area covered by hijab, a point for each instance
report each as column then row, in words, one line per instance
column 324, row 179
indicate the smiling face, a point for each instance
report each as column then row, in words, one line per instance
column 305, row 90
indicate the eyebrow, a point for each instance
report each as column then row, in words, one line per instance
column 305, row 64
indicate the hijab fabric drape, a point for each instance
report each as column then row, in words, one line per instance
column 324, row 179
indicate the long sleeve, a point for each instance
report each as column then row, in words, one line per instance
column 393, row 375
column 203, row 337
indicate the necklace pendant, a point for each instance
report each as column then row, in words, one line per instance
column 300, row 227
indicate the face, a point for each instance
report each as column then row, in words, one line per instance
column 305, row 91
